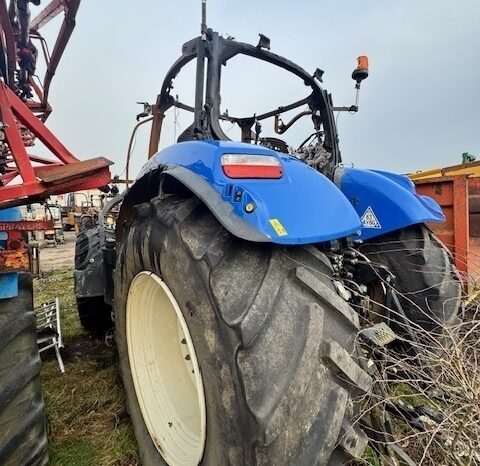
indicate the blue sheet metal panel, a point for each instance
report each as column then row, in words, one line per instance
column 8, row 281
column 385, row 201
column 8, row 285
column 301, row 207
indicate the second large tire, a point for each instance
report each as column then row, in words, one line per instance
column 274, row 341
column 23, row 437
column 426, row 278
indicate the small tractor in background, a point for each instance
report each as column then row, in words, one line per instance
column 26, row 178
column 244, row 277
column 54, row 235
column 81, row 209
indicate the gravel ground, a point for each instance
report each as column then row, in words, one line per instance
column 61, row 255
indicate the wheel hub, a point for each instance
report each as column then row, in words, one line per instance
column 165, row 371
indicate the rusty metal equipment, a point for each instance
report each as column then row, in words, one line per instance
column 34, row 258
column 457, row 190
column 451, row 192
column 55, row 235
column 471, row 169
column 24, row 107
column 15, row 256
column 24, row 177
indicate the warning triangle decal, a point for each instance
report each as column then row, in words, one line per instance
column 369, row 219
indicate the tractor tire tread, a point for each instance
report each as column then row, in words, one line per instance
column 23, row 435
column 429, row 284
column 280, row 313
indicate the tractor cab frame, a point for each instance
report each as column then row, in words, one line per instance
column 213, row 51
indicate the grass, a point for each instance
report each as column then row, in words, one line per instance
column 370, row 458
column 87, row 419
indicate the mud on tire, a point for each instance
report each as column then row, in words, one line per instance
column 273, row 339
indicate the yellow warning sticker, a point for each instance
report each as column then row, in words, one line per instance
column 278, row 227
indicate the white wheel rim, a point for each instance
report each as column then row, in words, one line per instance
column 165, row 371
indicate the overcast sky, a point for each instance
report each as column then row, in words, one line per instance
column 418, row 109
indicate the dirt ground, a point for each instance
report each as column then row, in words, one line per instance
column 62, row 255
column 88, row 424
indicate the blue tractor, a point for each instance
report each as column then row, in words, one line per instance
column 244, row 272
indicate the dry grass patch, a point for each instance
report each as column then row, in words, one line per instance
column 87, row 420
column 433, row 394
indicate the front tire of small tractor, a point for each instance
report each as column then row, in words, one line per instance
column 428, row 282
column 272, row 339
column 23, row 435
column 94, row 313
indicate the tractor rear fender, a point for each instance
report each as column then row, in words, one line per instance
column 385, row 201
column 300, row 207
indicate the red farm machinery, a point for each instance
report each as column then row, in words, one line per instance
column 27, row 178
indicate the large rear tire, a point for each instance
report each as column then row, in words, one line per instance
column 274, row 342
column 426, row 278
column 23, row 437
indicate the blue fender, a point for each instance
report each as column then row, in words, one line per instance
column 385, row 201
column 301, row 207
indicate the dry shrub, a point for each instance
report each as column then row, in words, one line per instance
column 428, row 384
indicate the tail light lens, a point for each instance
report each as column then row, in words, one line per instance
column 251, row 166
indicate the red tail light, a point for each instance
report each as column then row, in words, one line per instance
column 251, row 166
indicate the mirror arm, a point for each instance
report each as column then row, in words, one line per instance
column 357, row 94
column 351, row 109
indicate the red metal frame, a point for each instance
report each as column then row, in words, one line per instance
column 451, row 192
column 15, row 255
column 27, row 177
column 26, row 225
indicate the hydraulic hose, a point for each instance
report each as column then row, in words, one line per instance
column 130, row 145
